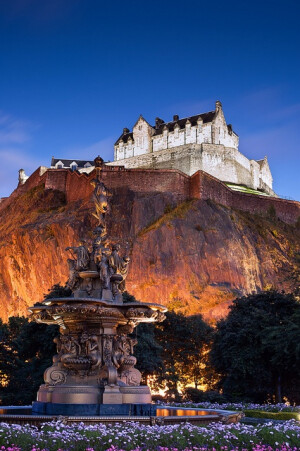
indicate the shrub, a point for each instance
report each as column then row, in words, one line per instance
column 272, row 415
column 196, row 395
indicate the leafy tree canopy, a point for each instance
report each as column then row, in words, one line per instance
column 256, row 349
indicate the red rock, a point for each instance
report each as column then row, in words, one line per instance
column 193, row 256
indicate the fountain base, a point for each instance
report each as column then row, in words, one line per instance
column 47, row 408
column 93, row 400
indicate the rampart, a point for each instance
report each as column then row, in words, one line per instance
column 77, row 186
column 201, row 185
column 204, row 186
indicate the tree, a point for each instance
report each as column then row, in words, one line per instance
column 256, row 348
column 29, row 349
column 148, row 352
column 184, row 341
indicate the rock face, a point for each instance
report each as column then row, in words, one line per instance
column 194, row 256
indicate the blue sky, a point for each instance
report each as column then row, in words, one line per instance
column 75, row 72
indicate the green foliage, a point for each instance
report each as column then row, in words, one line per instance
column 178, row 212
column 195, row 395
column 127, row 297
column 26, row 350
column 58, row 291
column 256, row 348
column 148, row 351
column 272, row 415
column 184, row 341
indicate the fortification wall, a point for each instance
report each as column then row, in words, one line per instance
column 204, row 186
column 77, row 186
column 201, row 185
column 225, row 163
column 175, row 158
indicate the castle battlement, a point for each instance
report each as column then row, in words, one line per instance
column 201, row 142
column 201, row 185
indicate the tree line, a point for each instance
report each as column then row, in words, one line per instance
column 251, row 355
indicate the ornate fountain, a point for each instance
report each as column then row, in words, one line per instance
column 93, row 372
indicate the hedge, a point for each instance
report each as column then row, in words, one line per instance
column 272, row 415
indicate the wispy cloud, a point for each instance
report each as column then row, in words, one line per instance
column 12, row 130
column 15, row 136
column 104, row 148
column 12, row 156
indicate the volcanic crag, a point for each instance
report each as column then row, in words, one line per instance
column 192, row 255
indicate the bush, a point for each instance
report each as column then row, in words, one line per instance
column 272, row 415
column 195, row 395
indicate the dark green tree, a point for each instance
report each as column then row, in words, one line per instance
column 148, row 352
column 256, row 348
column 29, row 349
column 184, row 341
column 58, row 291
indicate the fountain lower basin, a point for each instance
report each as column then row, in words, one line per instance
column 161, row 415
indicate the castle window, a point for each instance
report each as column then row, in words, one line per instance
column 59, row 166
column 74, row 167
column 140, row 127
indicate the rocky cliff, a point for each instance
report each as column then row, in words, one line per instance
column 193, row 256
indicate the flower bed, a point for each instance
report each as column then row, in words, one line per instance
column 134, row 436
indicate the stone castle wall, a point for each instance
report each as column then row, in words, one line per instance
column 204, row 186
column 145, row 140
column 77, row 186
column 200, row 185
column 226, row 164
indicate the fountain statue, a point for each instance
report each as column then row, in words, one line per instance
column 93, row 372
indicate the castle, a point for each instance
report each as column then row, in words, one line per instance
column 202, row 142
column 191, row 158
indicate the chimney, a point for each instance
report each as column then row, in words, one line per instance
column 218, row 105
column 158, row 122
column 175, row 117
column 125, row 130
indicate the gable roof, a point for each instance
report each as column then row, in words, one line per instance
column 67, row 163
column 124, row 137
column 206, row 117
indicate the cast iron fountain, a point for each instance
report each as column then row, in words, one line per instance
column 94, row 370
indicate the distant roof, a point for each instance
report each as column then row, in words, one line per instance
column 67, row 163
column 206, row 117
